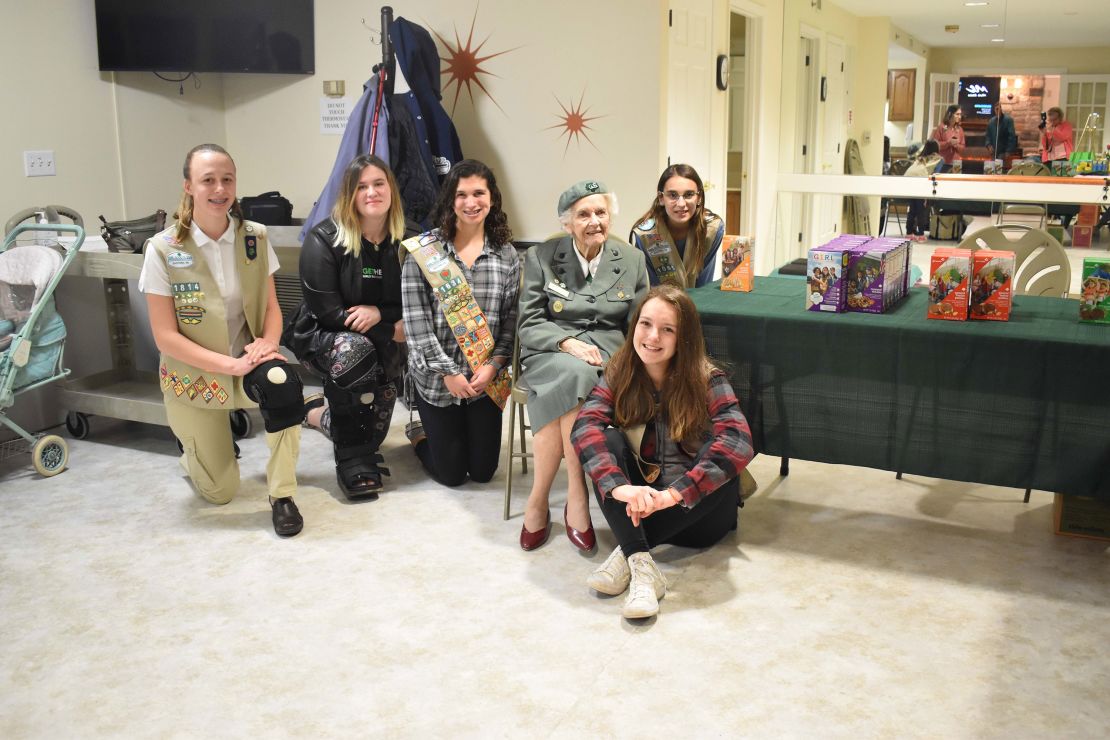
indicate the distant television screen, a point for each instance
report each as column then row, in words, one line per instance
column 272, row 36
column 977, row 96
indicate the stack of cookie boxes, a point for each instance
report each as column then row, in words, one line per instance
column 857, row 273
column 967, row 284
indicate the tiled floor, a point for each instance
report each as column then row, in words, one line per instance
column 850, row 604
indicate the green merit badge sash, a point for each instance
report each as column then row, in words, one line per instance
column 462, row 312
column 661, row 251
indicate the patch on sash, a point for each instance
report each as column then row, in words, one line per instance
column 250, row 243
column 187, row 292
column 179, row 259
column 426, row 238
column 191, row 315
column 437, row 263
column 221, row 396
column 169, row 238
column 191, row 392
column 647, row 223
column 658, row 248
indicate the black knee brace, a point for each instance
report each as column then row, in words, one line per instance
column 363, row 372
column 279, row 393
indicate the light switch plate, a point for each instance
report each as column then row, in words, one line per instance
column 38, row 163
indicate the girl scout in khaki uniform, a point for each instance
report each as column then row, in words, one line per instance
column 216, row 321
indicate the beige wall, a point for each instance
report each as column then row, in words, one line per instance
column 552, row 55
column 1089, row 60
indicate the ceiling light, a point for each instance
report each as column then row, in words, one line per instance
column 997, row 41
column 975, row 5
column 1017, row 82
column 989, row 25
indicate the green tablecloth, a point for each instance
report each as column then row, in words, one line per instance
column 1021, row 403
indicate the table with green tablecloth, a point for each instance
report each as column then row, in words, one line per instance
column 1021, row 403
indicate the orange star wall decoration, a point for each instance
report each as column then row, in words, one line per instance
column 464, row 66
column 574, row 122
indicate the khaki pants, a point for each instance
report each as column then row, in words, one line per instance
column 205, row 434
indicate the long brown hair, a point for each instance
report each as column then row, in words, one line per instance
column 697, row 237
column 443, row 214
column 348, row 223
column 684, row 395
column 184, row 214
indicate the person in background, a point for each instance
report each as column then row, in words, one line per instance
column 351, row 282
column 949, row 135
column 1001, row 136
column 678, row 235
column 664, row 441
column 1057, row 137
column 215, row 318
column 917, row 215
column 460, row 284
column 578, row 295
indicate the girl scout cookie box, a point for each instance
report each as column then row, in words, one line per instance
column 1094, row 291
column 992, row 272
column 826, row 269
column 736, row 263
column 949, row 271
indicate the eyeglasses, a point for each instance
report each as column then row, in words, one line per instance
column 673, row 197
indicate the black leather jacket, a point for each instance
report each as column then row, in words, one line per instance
column 332, row 281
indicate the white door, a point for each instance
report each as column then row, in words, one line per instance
column 805, row 143
column 690, row 88
column 833, row 140
column 944, row 90
column 1085, row 100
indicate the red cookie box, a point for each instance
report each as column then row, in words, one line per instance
column 1088, row 215
column 992, row 276
column 949, row 273
column 1081, row 235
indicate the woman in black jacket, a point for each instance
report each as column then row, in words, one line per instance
column 351, row 280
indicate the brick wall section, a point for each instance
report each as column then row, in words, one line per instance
column 1025, row 107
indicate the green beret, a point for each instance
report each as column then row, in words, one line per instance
column 579, row 190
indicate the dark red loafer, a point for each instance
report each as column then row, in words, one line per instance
column 532, row 540
column 584, row 541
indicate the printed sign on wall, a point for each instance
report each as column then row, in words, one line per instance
column 333, row 115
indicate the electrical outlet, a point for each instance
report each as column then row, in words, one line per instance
column 38, row 163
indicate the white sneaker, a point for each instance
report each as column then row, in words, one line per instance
column 646, row 588
column 613, row 576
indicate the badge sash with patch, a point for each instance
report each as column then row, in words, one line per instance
column 462, row 312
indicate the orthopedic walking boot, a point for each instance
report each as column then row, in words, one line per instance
column 357, row 471
column 287, row 517
column 613, row 576
column 645, row 588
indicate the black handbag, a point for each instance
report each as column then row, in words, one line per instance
column 130, row 236
column 269, row 208
column 302, row 334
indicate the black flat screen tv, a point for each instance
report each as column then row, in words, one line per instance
column 978, row 96
column 269, row 36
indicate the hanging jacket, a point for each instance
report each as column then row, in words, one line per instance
column 419, row 62
column 355, row 141
column 416, row 178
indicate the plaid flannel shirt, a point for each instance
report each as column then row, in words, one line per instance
column 720, row 461
column 433, row 350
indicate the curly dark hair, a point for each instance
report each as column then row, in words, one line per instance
column 443, row 214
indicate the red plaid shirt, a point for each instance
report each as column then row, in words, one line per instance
column 727, row 452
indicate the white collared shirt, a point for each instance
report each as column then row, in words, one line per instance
column 219, row 255
column 589, row 268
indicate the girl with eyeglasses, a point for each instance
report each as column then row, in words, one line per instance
column 678, row 235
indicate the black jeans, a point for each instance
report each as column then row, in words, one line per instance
column 462, row 439
column 703, row 525
column 917, row 217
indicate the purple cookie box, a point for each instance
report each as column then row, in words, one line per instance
column 833, row 257
column 879, row 272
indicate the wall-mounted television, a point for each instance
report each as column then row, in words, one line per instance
column 978, row 96
column 270, row 36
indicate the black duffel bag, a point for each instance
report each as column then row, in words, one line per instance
column 269, row 208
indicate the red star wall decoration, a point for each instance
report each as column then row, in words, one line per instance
column 574, row 122
column 464, row 65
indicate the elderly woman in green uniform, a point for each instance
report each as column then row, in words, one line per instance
column 678, row 235
column 214, row 313
column 579, row 292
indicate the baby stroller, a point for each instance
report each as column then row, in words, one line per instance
column 32, row 334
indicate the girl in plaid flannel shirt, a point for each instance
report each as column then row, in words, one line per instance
column 664, row 441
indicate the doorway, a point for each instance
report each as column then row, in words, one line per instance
column 806, row 157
